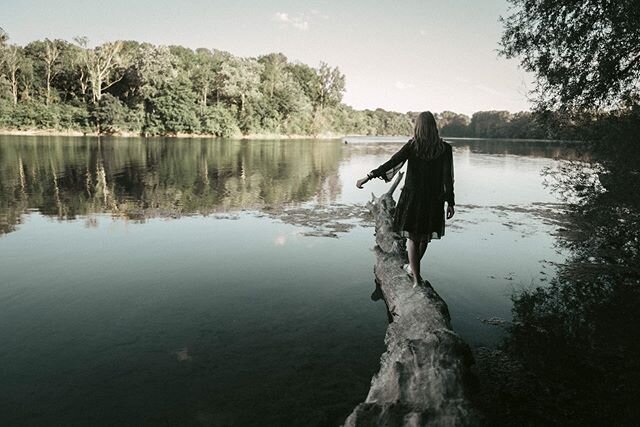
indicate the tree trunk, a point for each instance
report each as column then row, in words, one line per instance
column 14, row 86
column 83, row 83
column 424, row 374
column 48, row 84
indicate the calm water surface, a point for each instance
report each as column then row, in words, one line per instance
column 214, row 282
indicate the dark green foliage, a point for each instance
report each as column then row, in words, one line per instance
column 219, row 121
column 585, row 53
column 453, row 124
column 109, row 115
column 172, row 110
column 35, row 115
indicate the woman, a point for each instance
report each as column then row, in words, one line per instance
column 419, row 215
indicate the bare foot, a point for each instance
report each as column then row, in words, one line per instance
column 407, row 269
column 417, row 281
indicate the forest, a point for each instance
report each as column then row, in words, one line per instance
column 127, row 87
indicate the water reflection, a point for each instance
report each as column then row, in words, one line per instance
column 556, row 150
column 572, row 355
column 140, row 178
column 137, row 178
column 101, row 320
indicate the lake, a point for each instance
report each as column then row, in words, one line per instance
column 226, row 282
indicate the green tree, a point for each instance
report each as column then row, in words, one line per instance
column 172, row 109
column 219, row 120
column 240, row 85
column 490, row 124
column 307, row 78
column 453, row 124
column 204, row 74
column 99, row 65
column 585, row 54
column 286, row 106
column 49, row 54
column 12, row 61
column 109, row 114
column 329, row 87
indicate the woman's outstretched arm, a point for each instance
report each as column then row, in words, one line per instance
column 388, row 169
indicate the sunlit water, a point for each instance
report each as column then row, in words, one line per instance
column 212, row 282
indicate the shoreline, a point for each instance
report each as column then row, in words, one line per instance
column 77, row 133
column 266, row 136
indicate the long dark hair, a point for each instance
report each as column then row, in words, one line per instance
column 426, row 138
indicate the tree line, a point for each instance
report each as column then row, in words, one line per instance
column 141, row 88
column 127, row 86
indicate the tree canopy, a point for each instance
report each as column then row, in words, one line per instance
column 584, row 53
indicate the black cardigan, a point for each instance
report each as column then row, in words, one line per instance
column 432, row 177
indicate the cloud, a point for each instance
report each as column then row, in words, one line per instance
column 299, row 21
column 423, row 32
column 404, row 85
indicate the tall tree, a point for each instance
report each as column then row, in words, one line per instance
column 50, row 58
column 12, row 59
column 26, row 78
column 585, row 53
column 452, row 124
column 46, row 55
column 241, row 81
column 272, row 72
column 99, row 63
column 306, row 77
column 204, row 74
column 330, row 86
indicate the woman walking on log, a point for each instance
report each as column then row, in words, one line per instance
column 419, row 215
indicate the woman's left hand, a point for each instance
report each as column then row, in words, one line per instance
column 361, row 181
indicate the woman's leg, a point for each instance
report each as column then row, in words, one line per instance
column 413, row 250
column 423, row 248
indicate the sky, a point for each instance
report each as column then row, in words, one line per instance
column 400, row 55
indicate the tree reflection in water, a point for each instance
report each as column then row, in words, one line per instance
column 135, row 179
column 572, row 356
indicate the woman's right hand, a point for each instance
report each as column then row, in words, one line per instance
column 362, row 181
column 450, row 211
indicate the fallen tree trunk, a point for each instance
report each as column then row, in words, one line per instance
column 425, row 373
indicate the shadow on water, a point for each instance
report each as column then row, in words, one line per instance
column 572, row 354
column 377, row 295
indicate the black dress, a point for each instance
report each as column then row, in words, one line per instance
column 428, row 184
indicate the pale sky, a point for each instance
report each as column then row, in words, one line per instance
column 398, row 55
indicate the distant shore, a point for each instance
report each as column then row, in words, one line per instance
column 71, row 132
column 327, row 136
